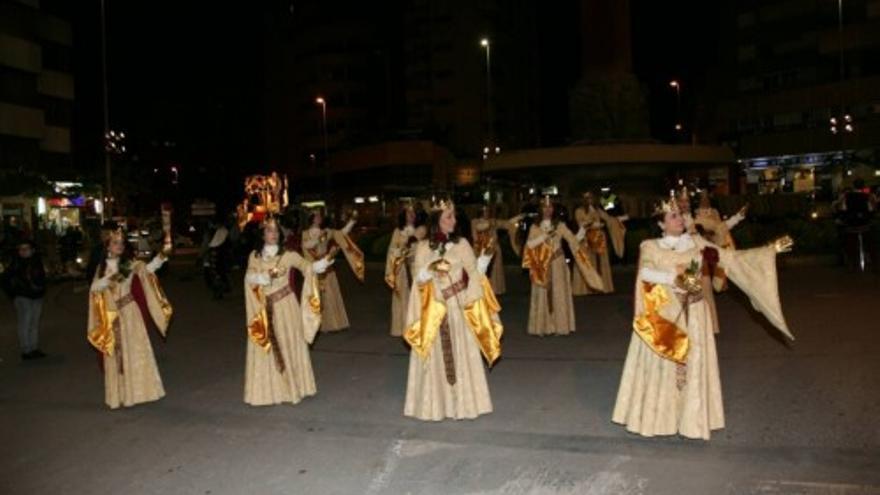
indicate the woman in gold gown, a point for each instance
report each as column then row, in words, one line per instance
column 551, row 310
column 671, row 381
column 484, row 232
column 452, row 320
column 318, row 241
column 280, row 328
column 398, row 265
column 124, row 299
column 600, row 228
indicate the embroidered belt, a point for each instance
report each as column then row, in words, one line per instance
column 271, row 300
column 455, row 288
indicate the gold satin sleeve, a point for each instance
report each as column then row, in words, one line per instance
column 352, row 253
column 422, row 332
column 537, row 261
column 660, row 334
column 482, row 318
column 258, row 327
column 100, row 335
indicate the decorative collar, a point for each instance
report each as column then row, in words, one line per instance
column 681, row 242
column 270, row 250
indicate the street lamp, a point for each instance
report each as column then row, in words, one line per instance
column 489, row 115
column 108, row 174
column 323, row 103
column 677, row 87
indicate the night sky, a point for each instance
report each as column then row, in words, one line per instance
column 191, row 73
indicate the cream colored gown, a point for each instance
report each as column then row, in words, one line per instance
column 446, row 377
column 671, row 382
column 118, row 329
column 398, row 273
column 551, row 309
column 596, row 221
column 316, row 244
column 484, row 232
column 278, row 368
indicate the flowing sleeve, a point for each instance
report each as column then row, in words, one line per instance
column 536, row 256
column 310, row 298
column 391, row 259
column 512, row 227
column 99, row 332
column 582, row 259
column 754, row 272
column 481, row 308
column 157, row 305
column 257, row 321
column 617, row 232
column 425, row 312
column 353, row 254
column 653, row 303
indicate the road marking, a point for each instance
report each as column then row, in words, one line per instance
column 390, row 461
column 813, row 487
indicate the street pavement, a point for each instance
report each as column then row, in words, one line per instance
column 802, row 418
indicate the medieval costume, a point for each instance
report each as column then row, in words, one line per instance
column 596, row 221
column 280, row 327
column 551, row 311
column 125, row 299
column 671, row 383
column 399, row 269
column 317, row 243
column 484, row 232
column 452, row 320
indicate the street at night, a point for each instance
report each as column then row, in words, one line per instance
column 800, row 417
column 441, row 247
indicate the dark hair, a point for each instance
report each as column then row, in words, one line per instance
column 434, row 229
column 125, row 258
column 311, row 219
column 260, row 243
column 401, row 217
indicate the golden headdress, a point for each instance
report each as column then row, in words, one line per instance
column 441, row 203
column 667, row 206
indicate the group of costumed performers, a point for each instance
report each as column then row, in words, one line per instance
column 443, row 304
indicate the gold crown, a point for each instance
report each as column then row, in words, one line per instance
column 442, row 204
column 667, row 206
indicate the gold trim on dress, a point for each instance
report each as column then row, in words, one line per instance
column 661, row 335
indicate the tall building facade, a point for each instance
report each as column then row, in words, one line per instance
column 36, row 88
column 405, row 70
column 800, row 96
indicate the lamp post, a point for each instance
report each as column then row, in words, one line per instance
column 677, row 87
column 108, row 173
column 327, row 189
column 489, row 114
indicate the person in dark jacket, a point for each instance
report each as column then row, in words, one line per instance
column 25, row 282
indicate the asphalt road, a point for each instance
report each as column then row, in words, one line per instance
column 801, row 418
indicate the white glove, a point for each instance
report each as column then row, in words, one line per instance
column 155, row 264
column 322, row 265
column 582, row 232
column 258, row 279
column 483, row 262
column 348, row 227
column 424, row 275
column 100, row 284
